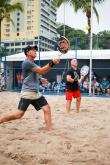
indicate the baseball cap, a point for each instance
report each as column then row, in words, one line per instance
column 28, row 48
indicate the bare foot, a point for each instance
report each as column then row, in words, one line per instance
column 45, row 129
column 68, row 111
column 77, row 111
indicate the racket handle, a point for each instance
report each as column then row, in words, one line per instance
column 51, row 64
column 59, row 55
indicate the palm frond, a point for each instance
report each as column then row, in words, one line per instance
column 96, row 13
column 11, row 8
column 58, row 3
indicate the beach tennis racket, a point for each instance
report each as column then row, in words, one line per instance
column 63, row 45
column 84, row 70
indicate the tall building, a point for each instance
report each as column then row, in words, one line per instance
column 36, row 23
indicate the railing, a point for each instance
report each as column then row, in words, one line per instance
column 12, row 81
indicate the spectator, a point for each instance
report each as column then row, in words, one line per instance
column 85, row 85
column 105, row 86
column 58, row 78
column 19, row 78
column 95, row 86
column 2, row 82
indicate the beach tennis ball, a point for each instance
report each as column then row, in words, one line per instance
column 87, row 27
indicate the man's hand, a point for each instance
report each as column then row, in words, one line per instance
column 81, row 79
column 56, row 61
column 44, row 81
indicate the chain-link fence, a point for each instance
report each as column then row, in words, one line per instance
column 57, row 81
column 11, row 72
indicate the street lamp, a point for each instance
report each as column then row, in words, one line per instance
column 64, row 21
column 76, row 46
column 91, row 42
column 39, row 48
column 3, row 54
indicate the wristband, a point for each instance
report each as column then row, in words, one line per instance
column 51, row 64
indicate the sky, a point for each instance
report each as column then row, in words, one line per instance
column 78, row 20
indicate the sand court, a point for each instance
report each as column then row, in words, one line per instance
column 76, row 139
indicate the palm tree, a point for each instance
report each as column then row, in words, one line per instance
column 6, row 8
column 84, row 5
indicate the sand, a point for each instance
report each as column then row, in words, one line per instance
column 77, row 138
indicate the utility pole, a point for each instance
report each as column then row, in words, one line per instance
column 91, row 40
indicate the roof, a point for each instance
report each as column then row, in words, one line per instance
column 47, row 55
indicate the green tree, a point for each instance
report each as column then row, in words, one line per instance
column 77, row 38
column 6, row 8
column 103, row 40
column 84, row 5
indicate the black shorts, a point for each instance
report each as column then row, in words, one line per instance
column 38, row 103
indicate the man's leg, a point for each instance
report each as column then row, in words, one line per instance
column 68, row 105
column 41, row 103
column 12, row 116
column 47, row 116
column 78, row 102
column 69, row 95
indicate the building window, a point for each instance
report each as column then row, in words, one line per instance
column 18, row 50
column 29, row 12
column 29, row 43
column 7, row 30
column 7, row 44
column 17, row 34
column 18, row 14
column 17, row 44
column 17, row 29
column 18, row 19
column 29, row 22
column 28, row 27
column 12, row 44
column 35, row 42
column 7, row 25
column 7, row 35
column 12, row 50
column 28, row 17
column 23, row 43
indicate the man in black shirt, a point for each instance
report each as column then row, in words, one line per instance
column 73, row 79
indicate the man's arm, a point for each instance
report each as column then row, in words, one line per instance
column 69, row 79
column 46, row 68
column 44, row 81
column 81, row 79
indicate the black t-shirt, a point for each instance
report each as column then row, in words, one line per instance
column 75, row 75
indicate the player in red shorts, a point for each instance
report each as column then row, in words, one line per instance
column 73, row 80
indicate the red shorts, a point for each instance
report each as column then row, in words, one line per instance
column 70, row 94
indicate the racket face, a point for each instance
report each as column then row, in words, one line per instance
column 84, row 70
column 63, row 45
